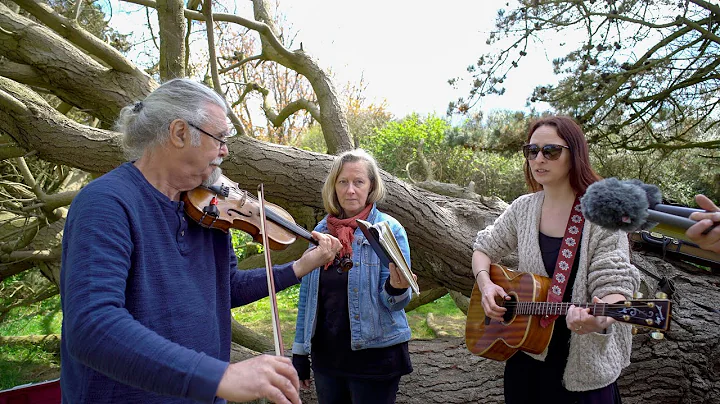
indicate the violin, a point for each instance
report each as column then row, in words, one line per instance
column 223, row 205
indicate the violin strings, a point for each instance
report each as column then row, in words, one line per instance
column 275, row 217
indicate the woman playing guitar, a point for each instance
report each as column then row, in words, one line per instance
column 586, row 263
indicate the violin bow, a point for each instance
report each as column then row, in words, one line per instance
column 270, row 279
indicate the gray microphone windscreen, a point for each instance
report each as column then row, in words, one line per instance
column 615, row 205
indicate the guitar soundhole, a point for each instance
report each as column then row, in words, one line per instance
column 510, row 306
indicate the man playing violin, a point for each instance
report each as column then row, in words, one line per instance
column 146, row 292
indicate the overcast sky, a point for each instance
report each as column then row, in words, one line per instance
column 405, row 50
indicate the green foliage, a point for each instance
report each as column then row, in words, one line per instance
column 313, row 140
column 258, row 315
column 502, row 131
column 21, row 365
column 362, row 121
column 449, row 158
column 397, row 144
column 24, row 364
column 38, row 319
column 244, row 245
column 679, row 175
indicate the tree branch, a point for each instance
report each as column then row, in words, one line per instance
column 29, row 179
column 9, row 102
column 260, row 27
column 711, row 144
column 74, row 33
column 209, row 28
column 54, row 201
column 8, row 270
column 36, row 255
column 171, row 24
column 333, row 122
column 714, row 8
column 277, row 119
column 639, row 65
column 69, row 73
column 39, row 297
column 240, row 63
column 54, row 136
column 21, row 73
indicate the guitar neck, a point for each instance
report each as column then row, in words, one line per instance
column 647, row 313
column 561, row 308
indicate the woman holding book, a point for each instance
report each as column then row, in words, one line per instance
column 586, row 263
column 352, row 323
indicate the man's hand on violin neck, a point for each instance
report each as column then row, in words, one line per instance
column 265, row 376
column 328, row 246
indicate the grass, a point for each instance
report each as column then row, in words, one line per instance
column 443, row 308
column 29, row 364
column 257, row 316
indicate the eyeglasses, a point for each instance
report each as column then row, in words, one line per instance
column 222, row 142
column 549, row 151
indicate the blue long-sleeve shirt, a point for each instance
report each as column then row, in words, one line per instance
column 146, row 296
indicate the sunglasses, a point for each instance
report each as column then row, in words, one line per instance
column 549, row 151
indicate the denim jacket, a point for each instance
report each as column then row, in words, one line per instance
column 377, row 319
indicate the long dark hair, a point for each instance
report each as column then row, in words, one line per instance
column 581, row 174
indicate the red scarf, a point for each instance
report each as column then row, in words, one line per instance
column 344, row 229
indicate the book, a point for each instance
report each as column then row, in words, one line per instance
column 385, row 245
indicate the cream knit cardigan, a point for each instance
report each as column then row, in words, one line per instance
column 595, row 359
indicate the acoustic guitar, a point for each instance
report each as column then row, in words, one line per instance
column 520, row 329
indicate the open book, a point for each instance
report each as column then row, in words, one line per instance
column 387, row 249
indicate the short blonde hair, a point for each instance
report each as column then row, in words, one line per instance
column 377, row 186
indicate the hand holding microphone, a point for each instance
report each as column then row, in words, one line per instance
column 632, row 205
column 705, row 233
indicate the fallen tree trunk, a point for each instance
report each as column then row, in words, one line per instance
column 50, row 342
column 425, row 297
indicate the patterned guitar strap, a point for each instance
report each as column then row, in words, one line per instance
column 565, row 261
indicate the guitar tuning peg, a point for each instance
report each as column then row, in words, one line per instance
column 657, row 335
column 634, row 330
column 661, row 295
column 638, row 295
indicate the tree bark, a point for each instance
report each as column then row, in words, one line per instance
column 332, row 116
column 172, row 24
column 249, row 338
column 68, row 72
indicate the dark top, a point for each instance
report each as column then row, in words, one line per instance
column 146, row 296
column 529, row 380
column 331, row 351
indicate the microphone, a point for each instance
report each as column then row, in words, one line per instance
column 631, row 205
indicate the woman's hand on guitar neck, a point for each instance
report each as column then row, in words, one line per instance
column 580, row 321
